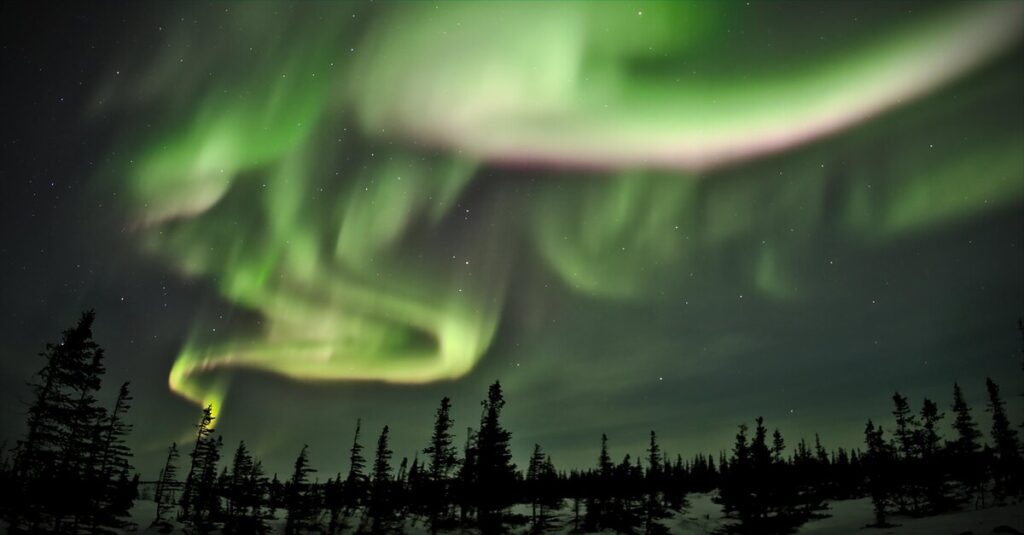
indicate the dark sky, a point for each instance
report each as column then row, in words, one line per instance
column 305, row 214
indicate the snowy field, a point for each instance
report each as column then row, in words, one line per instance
column 703, row 517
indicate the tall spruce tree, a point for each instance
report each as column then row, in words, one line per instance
column 967, row 465
column 200, row 504
column 905, row 425
column 334, row 501
column 48, row 469
column 381, row 511
column 255, row 513
column 441, row 454
column 931, row 475
column 56, row 479
column 495, row 472
column 200, row 449
column 238, row 486
column 465, row 484
column 540, row 490
column 599, row 499
column 654, row 509
column 109, row 508
column 354, row 488
column 298, row 502
column 166, row 488
column 905, row 441
column 878, row 461
column 1008, row 466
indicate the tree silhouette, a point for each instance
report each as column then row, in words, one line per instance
column 65, row 474
column 879, row 461
column 355, row 483
column 109, row 510
column 598, row 502
column 541, row 490
column 243, row 490
column 298, row 503
column 441, row 454
column 381, row 511
column 1008, row 466
column 255, row 514
column 495, row 472
column 166, row 487
column 905, row 441
column 465, row 486
column 931, row 474
column 200, row 504
column 654, row 509
column 334, row 502
column 967, row 465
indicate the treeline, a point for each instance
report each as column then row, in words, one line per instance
column 762, row 485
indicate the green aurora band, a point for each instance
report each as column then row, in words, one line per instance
column 312, row 165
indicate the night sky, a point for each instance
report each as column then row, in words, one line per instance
column 639, row 215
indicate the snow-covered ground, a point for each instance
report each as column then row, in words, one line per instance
column 851, row 516
column 703, row 517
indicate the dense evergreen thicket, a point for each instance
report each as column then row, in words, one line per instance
column 71, row 472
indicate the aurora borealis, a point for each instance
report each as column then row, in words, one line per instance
column 646, row 214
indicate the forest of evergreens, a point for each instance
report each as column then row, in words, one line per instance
column 71, row 472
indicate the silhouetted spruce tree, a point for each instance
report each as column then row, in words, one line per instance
column 355, row 483
column 820, row 454
column 200, row 502
column 625, row 512
column 654, row 509
column 552, row 497
column 1008, row 467
column 878, row 461
column 50, row 464
column 237, row 488
column 905, row 441
column 733, row 493
column 207, row 509
column 167, row 486
column 109, row 503
column 905, row 425
column 763, row 500
column 441, row 454
column 298, row 503
column 381, row 510
column 465, row 483
column 599, row 497
column 966, row 463
column 932, row 473
column 495, row 472
column 778, row 446
column 417, row 491
column 820, row 482
column 400, row 495
column 78, row 482
column 255, row 512
column 541, row 491
column 201, row 450
column 275, row 496
column 334, row 502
